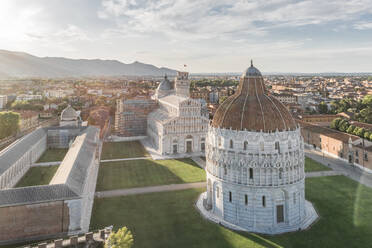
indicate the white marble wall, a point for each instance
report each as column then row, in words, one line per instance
column 14, row 173
column 269, row 165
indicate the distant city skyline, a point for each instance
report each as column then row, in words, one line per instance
column 208, row 36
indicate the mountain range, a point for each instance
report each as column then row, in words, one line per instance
column 24, row 65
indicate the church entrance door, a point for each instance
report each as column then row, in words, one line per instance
column 189, row 146
column 174, row 149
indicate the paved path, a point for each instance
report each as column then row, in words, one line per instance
column 323, row 173
column 151, row 189
column 46, row 163
column 340, row 166
column 122, row 159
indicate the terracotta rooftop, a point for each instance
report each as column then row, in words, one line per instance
column 251, row 107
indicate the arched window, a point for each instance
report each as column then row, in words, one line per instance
column 230, row 196
column 250, row 173
column 231, row 144
column 263, row 201
column 277, row 147
column 245, row 145
column 246, row 199
column 219, row 141
column 224, row 169
column 262, row 147
column 289, row 144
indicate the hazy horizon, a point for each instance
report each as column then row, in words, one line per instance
column 210, row 36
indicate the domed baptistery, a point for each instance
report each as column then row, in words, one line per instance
column 255, row 164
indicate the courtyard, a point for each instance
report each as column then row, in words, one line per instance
column 171, row 220
column 147, row 172
column 53, row 155
column 127, row 149
column 40, row 175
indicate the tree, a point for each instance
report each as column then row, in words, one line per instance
column 360, row 132
column 367, row 100
column 222, row 99
column 350, row 130
column 343, row 125
column 123, row 238
column 370, row 137
column 356, row 129
column 323, row 108
column 9, row 124
column 336, row 123
column 367, row 134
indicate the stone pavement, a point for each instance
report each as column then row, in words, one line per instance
column 151, row 189
column 323, row 173
column 122, row 159
column 46, row 163
column 344, row 168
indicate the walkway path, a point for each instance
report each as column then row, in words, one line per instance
column 323, row 173
column 342, row 167
column 173, row 187
column 151, row 189
column 122, row 159
column 47, row 163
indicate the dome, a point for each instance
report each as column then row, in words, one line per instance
column 69, row 113
column 251, row 108
column 165, row 84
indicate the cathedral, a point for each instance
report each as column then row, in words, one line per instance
column 255, row 164
column 179, row 124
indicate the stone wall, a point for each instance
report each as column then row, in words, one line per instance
column 26, row 221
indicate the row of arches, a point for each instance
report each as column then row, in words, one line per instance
column 257, row 176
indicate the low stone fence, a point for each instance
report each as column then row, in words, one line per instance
column 114, row 138
column 90, row 239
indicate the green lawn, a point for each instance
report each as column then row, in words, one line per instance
column 147, row 172
column 38, row 176
column 311, row 166
column 53, row 154
column 128, row 149
column 169, row 219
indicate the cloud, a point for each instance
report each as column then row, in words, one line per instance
column 210, row 19
column 363, row 25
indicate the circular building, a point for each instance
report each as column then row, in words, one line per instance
column 255, row 163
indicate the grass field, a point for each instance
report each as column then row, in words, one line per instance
column 38, row 176
column 311, row 166
column 52, row 155
column 128, row 149
column 146, row 172
column 169, row 219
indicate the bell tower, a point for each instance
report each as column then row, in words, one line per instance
column 182, row 84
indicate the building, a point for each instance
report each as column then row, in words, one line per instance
column 180, row 123
column 346, row 147
column 131, row 116
column 59, row 93
column 255, row 164
column 324, row 120
column 25, row 97
column 3, row 101
column 48, row 211
column 70, row 117
column 286, row 98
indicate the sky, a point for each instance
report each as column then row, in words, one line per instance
column 206, row 35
